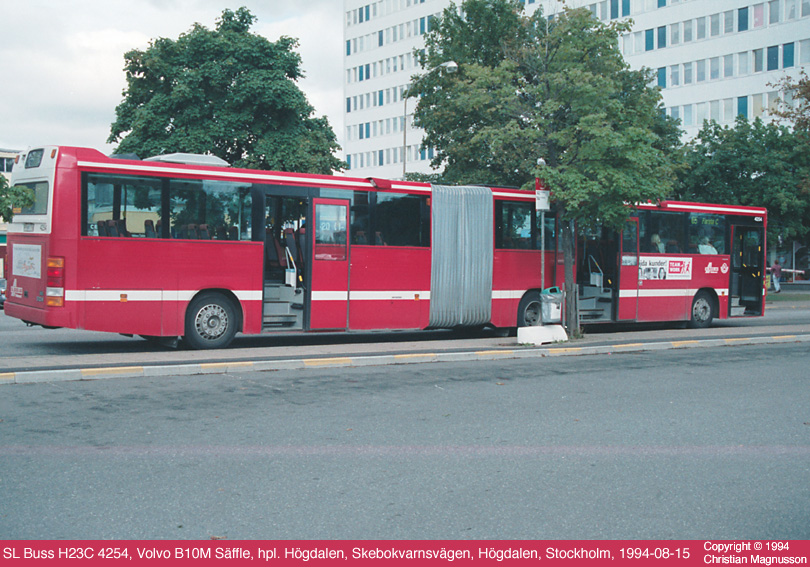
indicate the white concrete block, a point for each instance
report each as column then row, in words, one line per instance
column 541, row 335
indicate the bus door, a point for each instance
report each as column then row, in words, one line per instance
column 747, row 269
column 329, row 296
column 628, row 272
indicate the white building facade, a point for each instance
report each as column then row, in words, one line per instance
column 713, row 59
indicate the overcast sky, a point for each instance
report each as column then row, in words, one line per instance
column 61, row 62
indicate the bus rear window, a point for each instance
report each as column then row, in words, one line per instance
column 36, row 202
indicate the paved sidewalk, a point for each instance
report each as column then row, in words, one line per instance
column 792, row 324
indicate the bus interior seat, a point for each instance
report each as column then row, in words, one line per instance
column 221, row 233
column 673, row 247
column 204, row 234
column 149, row 228
column 112, row 228
column 101, row 226
column 289, row 241
column 233, row 233
column 282, row 258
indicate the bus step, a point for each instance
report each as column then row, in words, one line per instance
column 591, row 314
column 280, row 320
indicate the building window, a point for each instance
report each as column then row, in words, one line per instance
column 675, row 75
column 728, row 110
column 714, row 20
column 759, row 60
column 805, row 8
column 701, row 70
column 759, row 15
column 662, row 77
column 649, row 40
column 787, row 55
column 773, row 12
column 714, row 110
column 701, row 28
column 688, row 120
column 614, row 9
column 728, row 22
column 662, row 37
column 675, row 34
column 790, row 10
column 742, row 19
column 742, row 106
column 687, row 73
column 714, row 68
column 742, row 62
column 773, row 57
column 687, row 30
column 728, row 66
column 804, row 51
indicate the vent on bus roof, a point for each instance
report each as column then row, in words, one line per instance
column 191, row 159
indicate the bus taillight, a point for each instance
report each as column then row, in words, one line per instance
column 55, row 290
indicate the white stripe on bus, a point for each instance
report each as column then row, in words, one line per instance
column 148, row 295
column 625, row 293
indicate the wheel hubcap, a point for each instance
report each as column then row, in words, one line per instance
column 702, row 310
column 211, row 322
column 531, row 316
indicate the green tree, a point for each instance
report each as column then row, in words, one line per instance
column 756, row 164
column 529, row 88
column 797, row 111
column 13, row 198
column 227, row 92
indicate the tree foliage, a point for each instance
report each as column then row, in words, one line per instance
column 752, row 163
column 797, row 112
column 227, row 92
column 529, row 88
column 13, row 198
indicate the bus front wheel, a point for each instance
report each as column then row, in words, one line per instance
column 702, row 311
column 530, row 310
column 210, row 321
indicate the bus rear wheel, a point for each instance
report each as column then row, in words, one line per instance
column 530, row 310
column 702, row 311
column 210, row 321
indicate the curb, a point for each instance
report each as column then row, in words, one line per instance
column 76, row 374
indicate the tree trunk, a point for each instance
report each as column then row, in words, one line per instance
column 568, row 229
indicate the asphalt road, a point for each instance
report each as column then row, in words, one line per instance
column 684, row 444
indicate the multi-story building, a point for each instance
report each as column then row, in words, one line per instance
column 713, row 59
column 6, row 162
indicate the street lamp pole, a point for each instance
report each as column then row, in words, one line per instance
column 450, row 67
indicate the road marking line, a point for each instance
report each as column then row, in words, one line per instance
column 417, row 355
column 325, row 361
column 677, row 344
column 8, row 376
column 490, row 352
column 111, row 370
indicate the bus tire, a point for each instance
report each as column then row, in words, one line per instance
column 530, row 310
column 210, row 321
column 702, row 311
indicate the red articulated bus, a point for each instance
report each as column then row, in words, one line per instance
column 177, row 246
